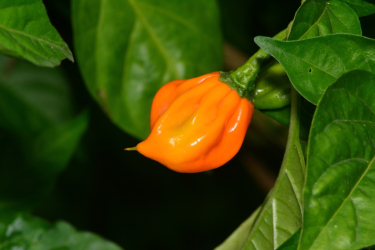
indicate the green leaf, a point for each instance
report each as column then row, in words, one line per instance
column 26, row 32
column 157, row 41
column 313, row 64
column 362, row 7
column 314, row 18
column 30, row 165
column 32, row 98
column 339, row 191
column 55, row 146
column 291, row 243
column 38, row 131
column 238, row 238
column 323, row 17
column 26, row 232
column 281, row 213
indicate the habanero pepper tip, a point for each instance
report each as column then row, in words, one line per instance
column 131, row 149
column 196, row 125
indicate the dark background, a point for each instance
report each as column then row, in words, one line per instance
column 140, row 204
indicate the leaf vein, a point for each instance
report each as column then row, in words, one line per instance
column 180, row 20
column 26, row 48
column 345, row 121
column 294, row 191
column 314, row 24
column 312, row 65
column 345, row 200
column 333, row 13
column 9, row 30
column 154, row 37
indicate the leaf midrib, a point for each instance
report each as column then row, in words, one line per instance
column 293, row 188
column 10, row 30
column 180, row 20
column 312, row 65
column 330, row 19
column 154, row 37
column 314, row 24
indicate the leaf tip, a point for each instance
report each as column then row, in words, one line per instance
column 261, row 40
column 69, row 55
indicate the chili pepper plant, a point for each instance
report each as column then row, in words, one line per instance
column 303, row 76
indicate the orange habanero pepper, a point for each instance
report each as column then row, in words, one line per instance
column 197, row 124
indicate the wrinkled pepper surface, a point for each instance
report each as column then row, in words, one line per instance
column 197, row 124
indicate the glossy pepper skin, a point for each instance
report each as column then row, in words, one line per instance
column 197, row 124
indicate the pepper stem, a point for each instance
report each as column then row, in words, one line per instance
column 130, row 149
column 242, row 79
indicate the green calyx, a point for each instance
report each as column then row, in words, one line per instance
column 242, row 79
column 242, row 90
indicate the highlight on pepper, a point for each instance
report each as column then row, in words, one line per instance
column 196, row 125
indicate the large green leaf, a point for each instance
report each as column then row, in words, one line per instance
column 25, row 32
column 313, row 64
column 127, row 49
column 29, row 165
column 362, row 7
column 339, row 195
column 38, row 131
column 281, row 214
column 26, row 232
column 32, row 98
column 323, row 17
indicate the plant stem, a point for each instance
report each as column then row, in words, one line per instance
column 242, row 79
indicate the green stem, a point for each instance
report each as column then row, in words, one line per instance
column 242, row 79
